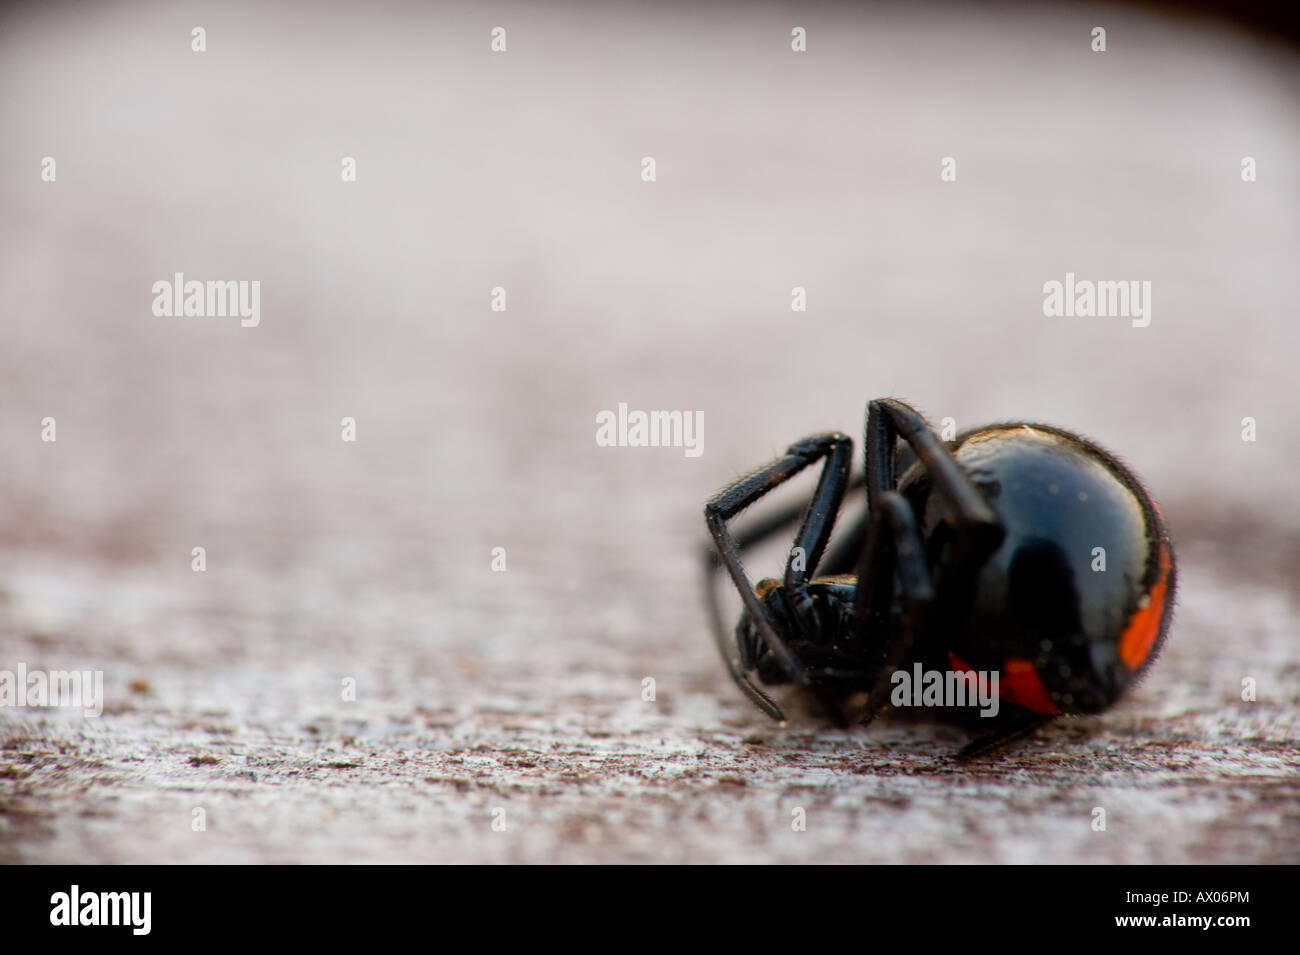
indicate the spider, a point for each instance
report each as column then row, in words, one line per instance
column 1020, row 550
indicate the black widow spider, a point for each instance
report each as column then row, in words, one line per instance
column 977, row 554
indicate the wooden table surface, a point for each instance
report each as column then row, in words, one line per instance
column 515, row 697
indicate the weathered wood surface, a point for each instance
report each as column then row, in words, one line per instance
column 522, row 690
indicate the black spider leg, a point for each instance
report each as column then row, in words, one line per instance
column 756, row 696
column 893, row 548
column 811, row 540
column 844, row 555
column 780, row 520
column 893, row 545
column 1022, row 724
column 838, row 560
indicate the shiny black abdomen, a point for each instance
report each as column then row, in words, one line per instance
column 1084, row 552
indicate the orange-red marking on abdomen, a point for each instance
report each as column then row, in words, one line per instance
column 1139, row 636
column 1018, row 683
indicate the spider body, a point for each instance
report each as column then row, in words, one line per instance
column 1020, row 550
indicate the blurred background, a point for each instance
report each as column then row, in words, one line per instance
column 371, row 560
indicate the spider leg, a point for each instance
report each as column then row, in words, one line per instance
column 780, row 520
column 813, row 535
column 979, row 532
column 1013, row 729
column 843, row 557
column 756, row 696
column 893, row 548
